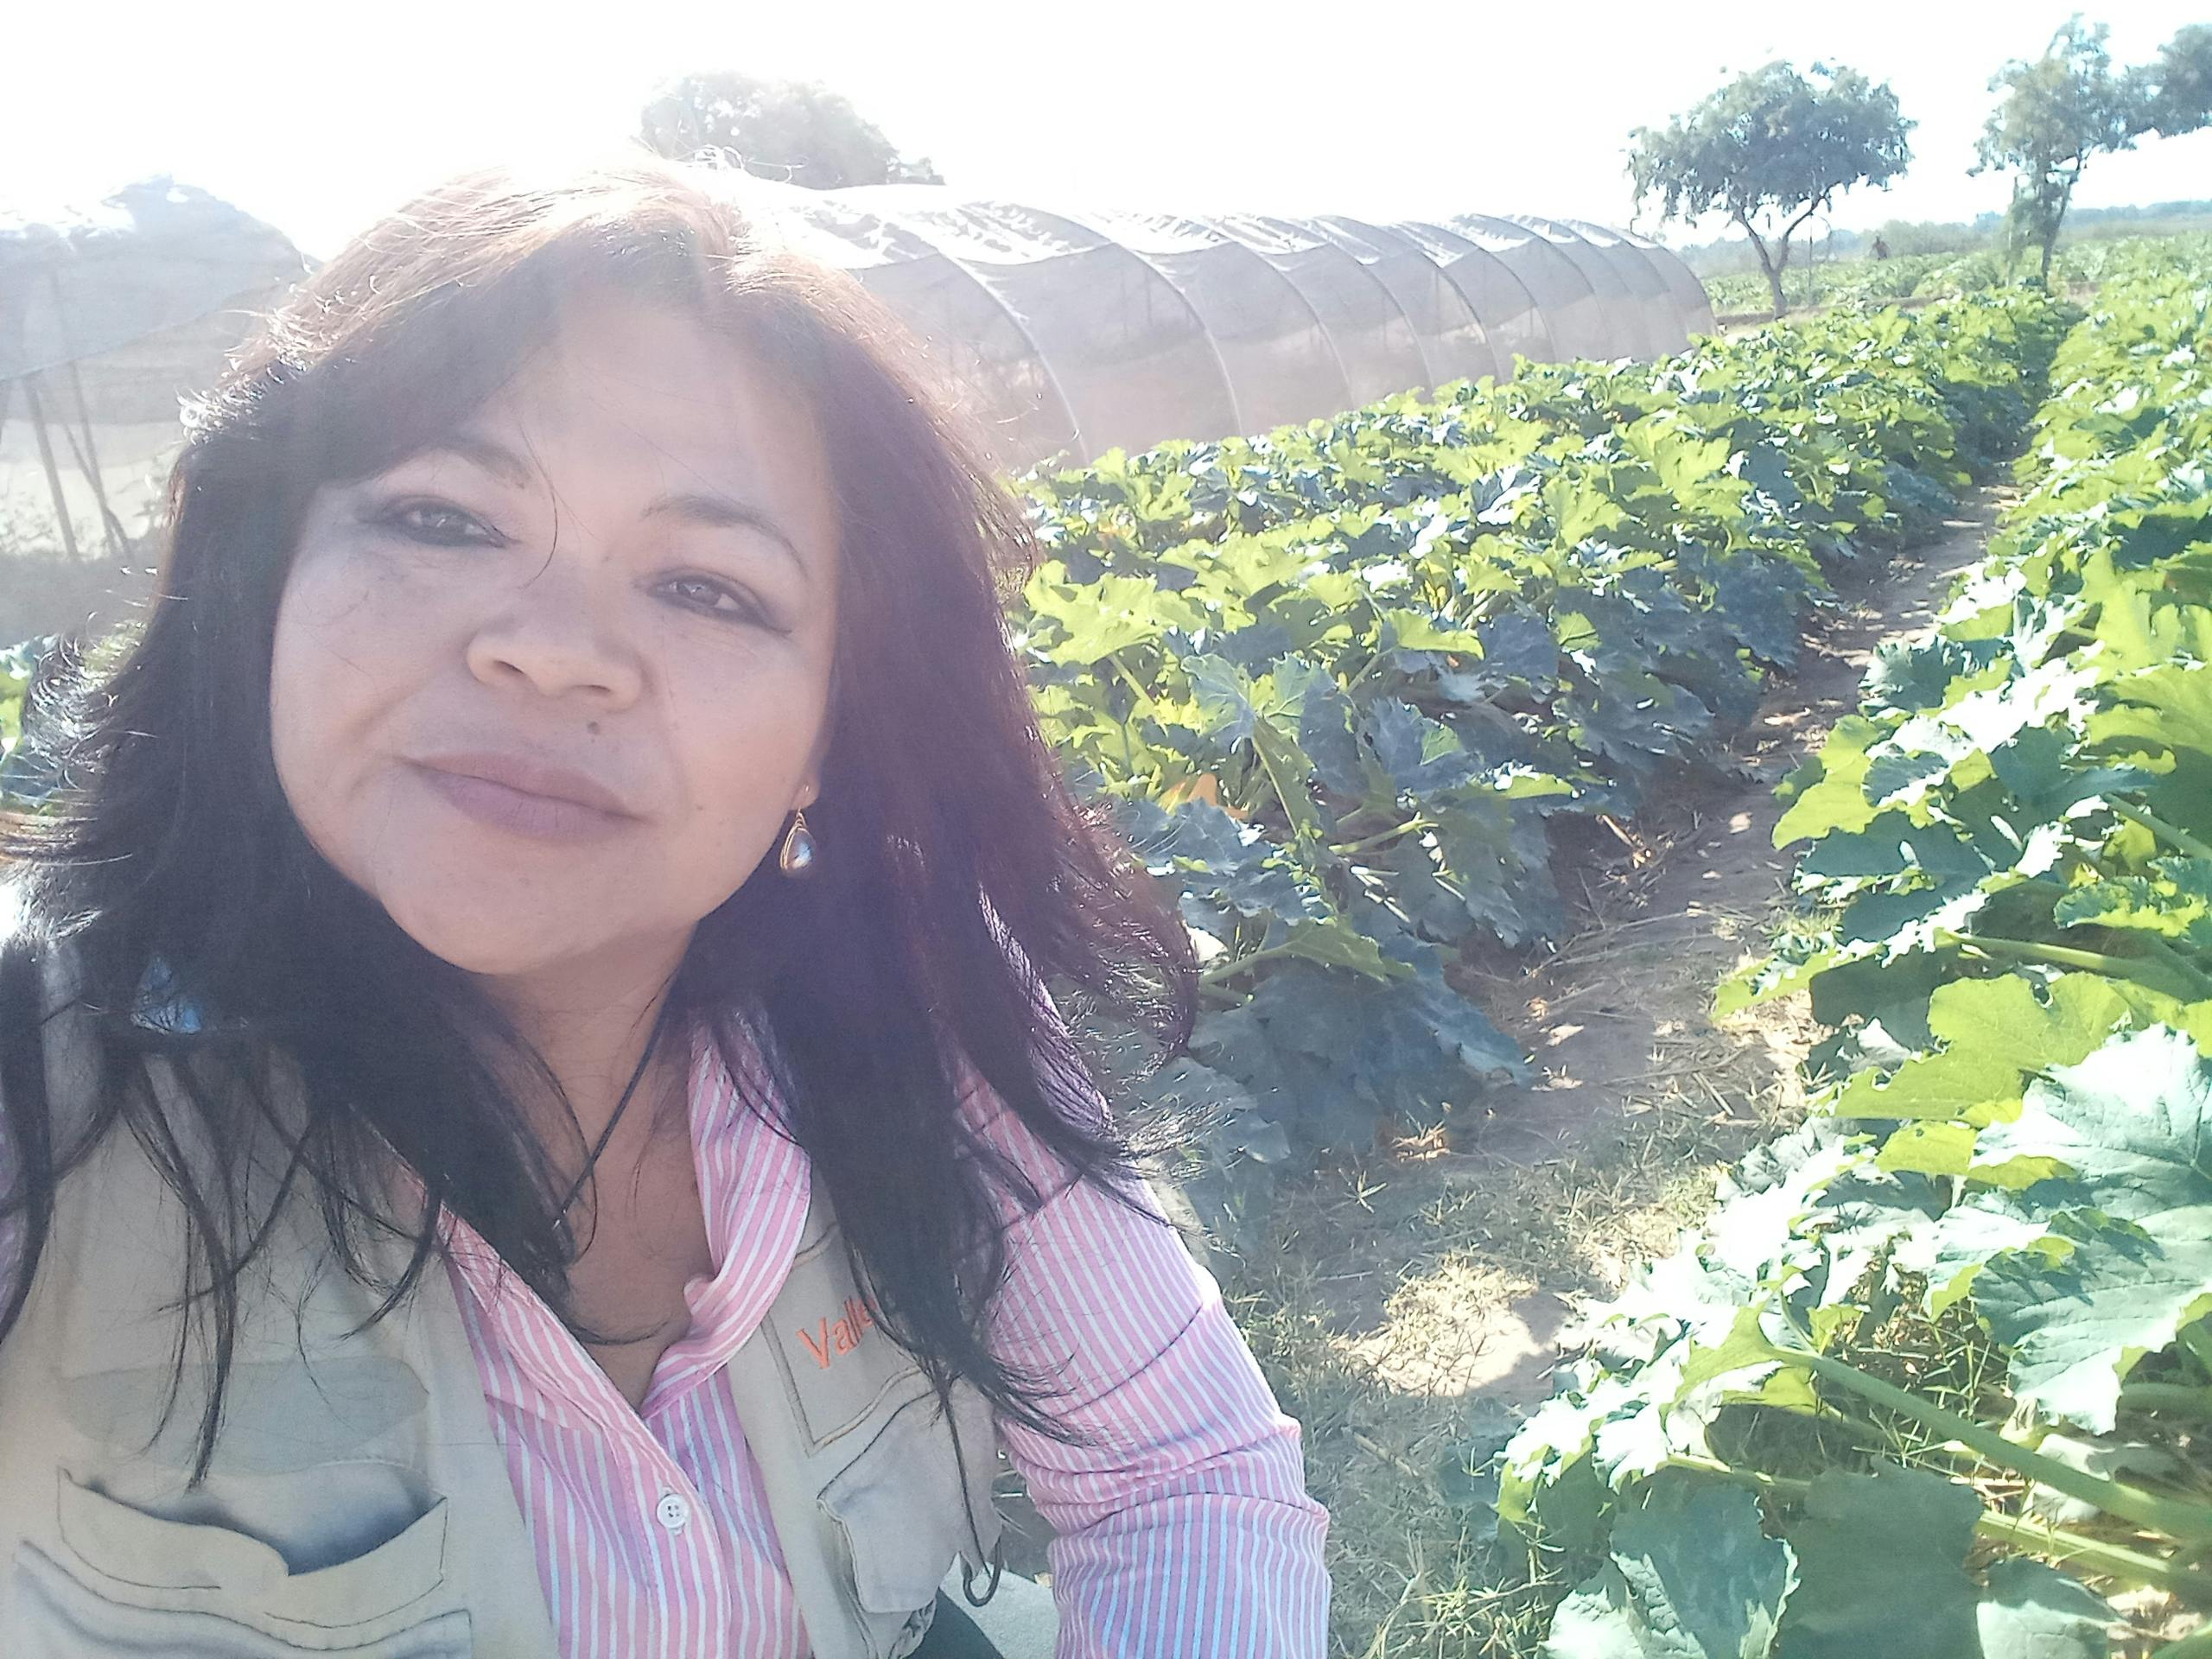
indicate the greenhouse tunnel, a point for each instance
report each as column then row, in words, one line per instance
column 109, row 318
column 1071, row 333
column 1580, row 325
column 1064, row 333
column 1661, row 314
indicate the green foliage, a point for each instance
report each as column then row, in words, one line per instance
column 1342, row 685
column 24, row 779
column 2177, row 89
column 1882, row 1556
column 2070, row 103
column 1691, row 1576
column 796, row 131
column 1992, row 1250
column 1859, row 282
column 1769, row 149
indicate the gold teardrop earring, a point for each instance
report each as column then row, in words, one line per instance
column 797, row 856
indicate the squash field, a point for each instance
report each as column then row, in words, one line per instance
column 1940, row 1362
column 1355, row 689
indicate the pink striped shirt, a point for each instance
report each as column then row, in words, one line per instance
column 1184, row 1532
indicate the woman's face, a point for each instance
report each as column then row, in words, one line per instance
column 549, row 688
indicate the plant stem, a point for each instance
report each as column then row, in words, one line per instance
column 1143, row 696
column 1368, row 669
column 1409, row 827
column 1226, row 970
column 1300, row 814
column 2179, row 837
column 2176, row 1397
column 2062, row 955
column 2180, row 1519
column 1781, row 1486
column 2114, row 1560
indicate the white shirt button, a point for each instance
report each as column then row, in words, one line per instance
column 672, row 1511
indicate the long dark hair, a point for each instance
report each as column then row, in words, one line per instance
column 958, row 874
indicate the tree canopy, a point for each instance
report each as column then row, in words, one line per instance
column 2177, row 89
column 1769, row 149
column 798, row 131
column 2059, row 110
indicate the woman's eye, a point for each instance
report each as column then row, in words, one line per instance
column 704, row 593
column 440, row 523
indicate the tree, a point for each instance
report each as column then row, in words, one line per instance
column 2070, row 103
column 2177, row 89
column 798, row 131
column 1771, row 149
column 2056, row 113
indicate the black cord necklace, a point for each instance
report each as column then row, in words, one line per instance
column 561, row 1225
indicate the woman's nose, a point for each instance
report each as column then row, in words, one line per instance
column 552, row 637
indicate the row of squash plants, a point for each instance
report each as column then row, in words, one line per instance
column 1946, row 276
column 1353, row 690
column 1935, row 1378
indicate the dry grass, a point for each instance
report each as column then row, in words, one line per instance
column 1377, row 1313
column 1397, row 1298
column 1394, row 1298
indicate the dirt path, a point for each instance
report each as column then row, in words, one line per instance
column 1618, row 1019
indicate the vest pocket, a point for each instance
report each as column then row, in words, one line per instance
column 113, row 1579
column 899, row 1507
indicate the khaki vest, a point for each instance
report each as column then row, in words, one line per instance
column 357, row 1503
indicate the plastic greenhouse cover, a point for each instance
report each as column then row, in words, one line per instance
column 1668, row 331
column 1578, row 325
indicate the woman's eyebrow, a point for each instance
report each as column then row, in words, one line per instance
column 726, row 512
column 708, row 507
column 483, row 453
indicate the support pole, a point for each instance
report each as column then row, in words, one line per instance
column 111, row 526
column 53, row 473
column 88, row 458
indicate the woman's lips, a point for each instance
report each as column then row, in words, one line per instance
column 521, row 811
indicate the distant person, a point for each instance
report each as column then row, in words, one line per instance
column 1881, row 248
column 486, row 1172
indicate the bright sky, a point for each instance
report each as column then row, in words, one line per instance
column 318, row 118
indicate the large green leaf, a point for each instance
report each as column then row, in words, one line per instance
column 2034, row 1611
column 2174, row 902
column 2127, row 1255
column 1830, row 789
column 1880, row 1564
column 1994, row 1032
column 1692, row 1576
column 1108, row 615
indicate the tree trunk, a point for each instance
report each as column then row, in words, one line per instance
column 1766, row 265
column 2051, row 236
column 2058, row 218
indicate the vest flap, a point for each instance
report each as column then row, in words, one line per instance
column 277, row 1416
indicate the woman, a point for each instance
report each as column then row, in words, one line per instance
column 536, row 1124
